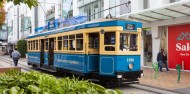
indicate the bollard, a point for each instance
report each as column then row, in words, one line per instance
column 178, row 68
column 155, row 67
column 182, row 65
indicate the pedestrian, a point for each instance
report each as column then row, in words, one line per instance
column 160, row 59
column 16, row 56
column 10, row 53
column 165, row 60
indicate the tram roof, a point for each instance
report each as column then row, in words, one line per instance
column 91, row 24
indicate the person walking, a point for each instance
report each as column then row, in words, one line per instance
column 165, row 60
column 160, row 59
column 16, row 56
column 10, row 53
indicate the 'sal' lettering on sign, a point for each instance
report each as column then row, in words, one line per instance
column 179, row 46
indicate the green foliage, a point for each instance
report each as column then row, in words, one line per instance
column 22, row 47
column 40, row 83
column 30, row 3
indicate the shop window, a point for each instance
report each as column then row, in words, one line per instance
column 94, row 40
column 146, row 4
column 72, row 44
column 65, row 41
column 128, row 42
column 60, row 43
column 172, row 1
column 109, row 41
column 46, row 44
column 79, row 39
column 126, row 8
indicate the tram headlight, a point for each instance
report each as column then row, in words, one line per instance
column 131, row 66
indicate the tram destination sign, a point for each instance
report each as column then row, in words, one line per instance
column 130, row 26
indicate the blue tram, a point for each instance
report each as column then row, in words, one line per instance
column 108, row 48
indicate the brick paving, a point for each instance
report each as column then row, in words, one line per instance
column 166, row 80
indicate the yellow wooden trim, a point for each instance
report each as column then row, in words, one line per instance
column 86, row 30
column 101, row 42
column 139, row 30
column 121, row 53
column 117, row 41
column 33, row 50
column 76, row 52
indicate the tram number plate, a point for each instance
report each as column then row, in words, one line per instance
column 130, row 60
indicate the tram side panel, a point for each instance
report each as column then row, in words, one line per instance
column 92, row 63
column 72, row 62
column 46, row 58
column 111, row 65
column 33, row 58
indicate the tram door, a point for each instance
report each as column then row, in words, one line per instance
column 93, row 52
column 51, row 52
column 41, row 52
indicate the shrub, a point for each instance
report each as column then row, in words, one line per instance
column 22, row 47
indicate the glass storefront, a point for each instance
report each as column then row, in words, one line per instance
column 91, row 8
column 124, row 6
column 147, row 38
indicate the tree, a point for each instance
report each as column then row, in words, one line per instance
column 2, row 15
column 22, row 47
column 30, row 3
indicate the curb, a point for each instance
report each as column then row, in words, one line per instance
column 153, row 89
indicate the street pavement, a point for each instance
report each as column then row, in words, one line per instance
column 167, row 80
column 164, row 81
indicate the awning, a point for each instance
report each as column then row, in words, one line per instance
column 169, row 11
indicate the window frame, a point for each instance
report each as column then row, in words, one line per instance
column 109, row 45
column 129, row 44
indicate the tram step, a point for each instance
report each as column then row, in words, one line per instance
column 48, row 70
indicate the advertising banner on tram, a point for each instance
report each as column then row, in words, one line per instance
column 179, row 46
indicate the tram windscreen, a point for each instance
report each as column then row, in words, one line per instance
column 128, row 42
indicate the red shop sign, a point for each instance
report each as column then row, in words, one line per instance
column 179, row 46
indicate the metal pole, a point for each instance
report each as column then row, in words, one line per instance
column 18, row 22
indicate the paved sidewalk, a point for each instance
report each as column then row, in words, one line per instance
column 167, row 80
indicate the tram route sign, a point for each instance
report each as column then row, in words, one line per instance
column 130, row 26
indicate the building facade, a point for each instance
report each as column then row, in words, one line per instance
column 159, row 17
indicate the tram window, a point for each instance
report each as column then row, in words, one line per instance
column 46, row 44
column 55, row 39
column 94, row 40
column 65, row 42
column 79, row 39
column 72, row 42
column 28, row 45
column 79, row 36
column 109, row 41
column 60, row 43
column 128, row 42
column 36, row 44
